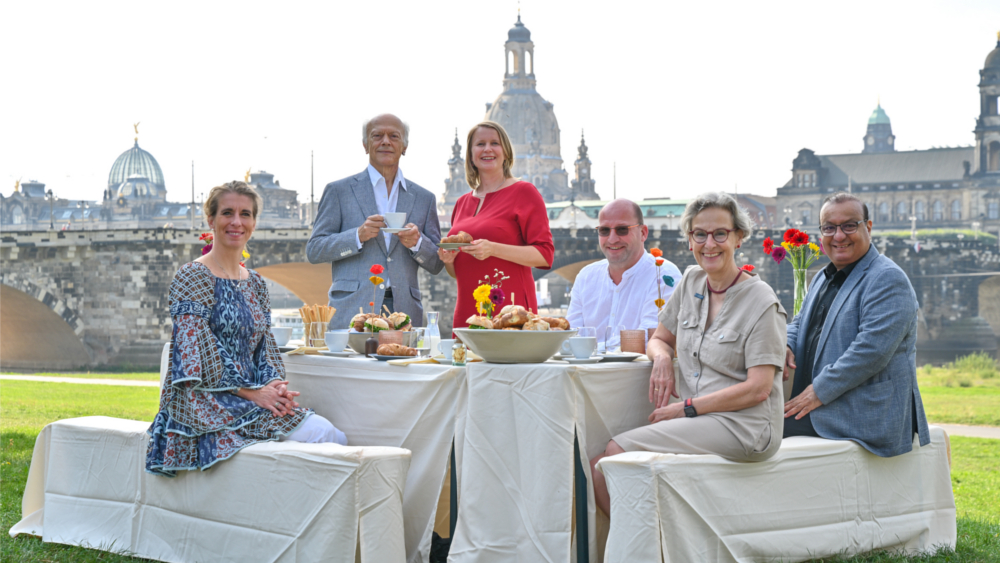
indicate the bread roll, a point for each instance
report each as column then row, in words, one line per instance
column 460, row 237
column 395, row 350
column 556, row 323
column 475, row 321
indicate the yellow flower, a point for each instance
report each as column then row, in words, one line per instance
column 660, row 303
column 814, row 248
column 246, row 255
column 375, row 280
column 482, row 293
column 787, row 245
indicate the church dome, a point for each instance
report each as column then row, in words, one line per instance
column 993, row 59
column 137, row 186
column 519, row 32
column 135, row 162
column 878, row 117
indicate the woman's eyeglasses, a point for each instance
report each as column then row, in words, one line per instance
column 620, row 230
column 720, row 235
column 848, row 228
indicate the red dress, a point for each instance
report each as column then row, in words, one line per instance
column 516, row 216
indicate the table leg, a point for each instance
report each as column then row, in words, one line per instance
column 582, row 525
column 454, row 493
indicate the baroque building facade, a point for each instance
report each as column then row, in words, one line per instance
column 135, row 198
column 531, row 124
column 925, row 189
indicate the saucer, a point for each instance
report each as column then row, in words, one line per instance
column 621, row 357
column 287, row 348
column 336, row 354
column 591, row 360
column 392, row 231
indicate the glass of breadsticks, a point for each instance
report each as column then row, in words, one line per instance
column 315, row 320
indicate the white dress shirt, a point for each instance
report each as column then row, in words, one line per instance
column 596, row 301
column 385, row 202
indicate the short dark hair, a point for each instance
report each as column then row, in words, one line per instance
column 844, row 197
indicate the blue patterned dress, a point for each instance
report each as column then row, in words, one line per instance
column 221, row 342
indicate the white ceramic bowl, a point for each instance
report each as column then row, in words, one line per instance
column 336, row 340
column 281, row 334
column 514, row 346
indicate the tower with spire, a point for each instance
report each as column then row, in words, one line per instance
column 455, row 185
column 987, row 155
column 878, row 137
column 583, row 185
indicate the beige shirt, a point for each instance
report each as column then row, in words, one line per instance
column 749, row 330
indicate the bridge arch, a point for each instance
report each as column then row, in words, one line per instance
column 989, row 303
column 39, row 331
column 309, row 282
column 568, row 265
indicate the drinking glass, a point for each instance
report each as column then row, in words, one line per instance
column 633, row 341
column 611, row 338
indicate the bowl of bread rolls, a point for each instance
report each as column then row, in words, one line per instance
column 515, row 336
column 364, row 324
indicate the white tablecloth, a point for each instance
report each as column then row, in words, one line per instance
column 374, row 403
column 514, row 449
column 815, row 498
column 276, row 501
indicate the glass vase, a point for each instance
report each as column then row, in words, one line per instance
column 799, row 275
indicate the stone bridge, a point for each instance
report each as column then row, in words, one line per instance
column 86, row 298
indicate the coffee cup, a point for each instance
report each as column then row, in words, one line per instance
column 281, row 334
column 395, row 220
column 445, row 346
column 583, row 346
column 336, row 340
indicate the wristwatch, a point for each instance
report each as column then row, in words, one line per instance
column 689, row 409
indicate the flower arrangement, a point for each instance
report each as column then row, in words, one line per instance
column 208, row 238
column 801, row 253
column 376, row 269
column 488, row 295
column 658, row 257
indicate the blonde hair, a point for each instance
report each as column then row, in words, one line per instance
column 471, row 172
column 211, row 206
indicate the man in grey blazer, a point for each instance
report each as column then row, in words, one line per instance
column 349, row 230
column 855, row 340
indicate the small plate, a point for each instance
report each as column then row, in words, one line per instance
column 453, row 245
column 623, row 357
column 442, row 360
column 287, row 348
column 387, row 358
column 392, row 231
column 562, row 356
column 591, row 360
column 337, row 354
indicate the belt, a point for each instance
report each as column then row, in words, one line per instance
column 388, row 293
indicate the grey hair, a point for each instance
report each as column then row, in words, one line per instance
column 844, row 197
column 741, row 219
column 368, row 122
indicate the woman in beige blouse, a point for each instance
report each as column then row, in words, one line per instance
column 728, row 331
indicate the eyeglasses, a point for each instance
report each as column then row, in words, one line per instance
column 720, row 235
column 620, row 230
column 848, row 228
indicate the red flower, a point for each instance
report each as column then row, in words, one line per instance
column 800, row 238
column 768, row 245
column 377, row 269
column 747, row 267
column 205, row 236
column 789, row 234
column 656, row 252
column 371, row 303
column 205, row 249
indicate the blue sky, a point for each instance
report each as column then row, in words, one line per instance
column 683, row 97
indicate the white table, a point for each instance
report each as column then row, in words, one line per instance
column 515, row 449
column 377, row 404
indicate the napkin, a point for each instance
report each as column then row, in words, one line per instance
column 408, row 361
column 301, row 350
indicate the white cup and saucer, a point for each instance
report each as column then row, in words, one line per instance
column 583, row 346
column 394, row 222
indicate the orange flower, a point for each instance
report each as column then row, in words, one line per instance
column 656, row 252
column 659, row 261
column 660, row 303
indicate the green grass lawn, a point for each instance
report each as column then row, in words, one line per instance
column 137, row 376
column 28, row 406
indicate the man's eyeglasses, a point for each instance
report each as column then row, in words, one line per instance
column 720, row 235
column 848, row 228
column 620, row 230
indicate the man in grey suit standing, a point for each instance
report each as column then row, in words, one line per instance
column 348, row 231
column 855, row 340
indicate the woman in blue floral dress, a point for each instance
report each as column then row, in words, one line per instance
column 225, row 388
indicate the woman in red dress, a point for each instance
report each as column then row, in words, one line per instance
column 508, row 223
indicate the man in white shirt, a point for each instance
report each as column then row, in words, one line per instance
column 349, row 230
column 620, row 290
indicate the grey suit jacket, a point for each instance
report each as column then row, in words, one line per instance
column 865, row 369
column 344, row 207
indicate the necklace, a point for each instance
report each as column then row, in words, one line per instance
column 238, row 282
column 728, row 288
